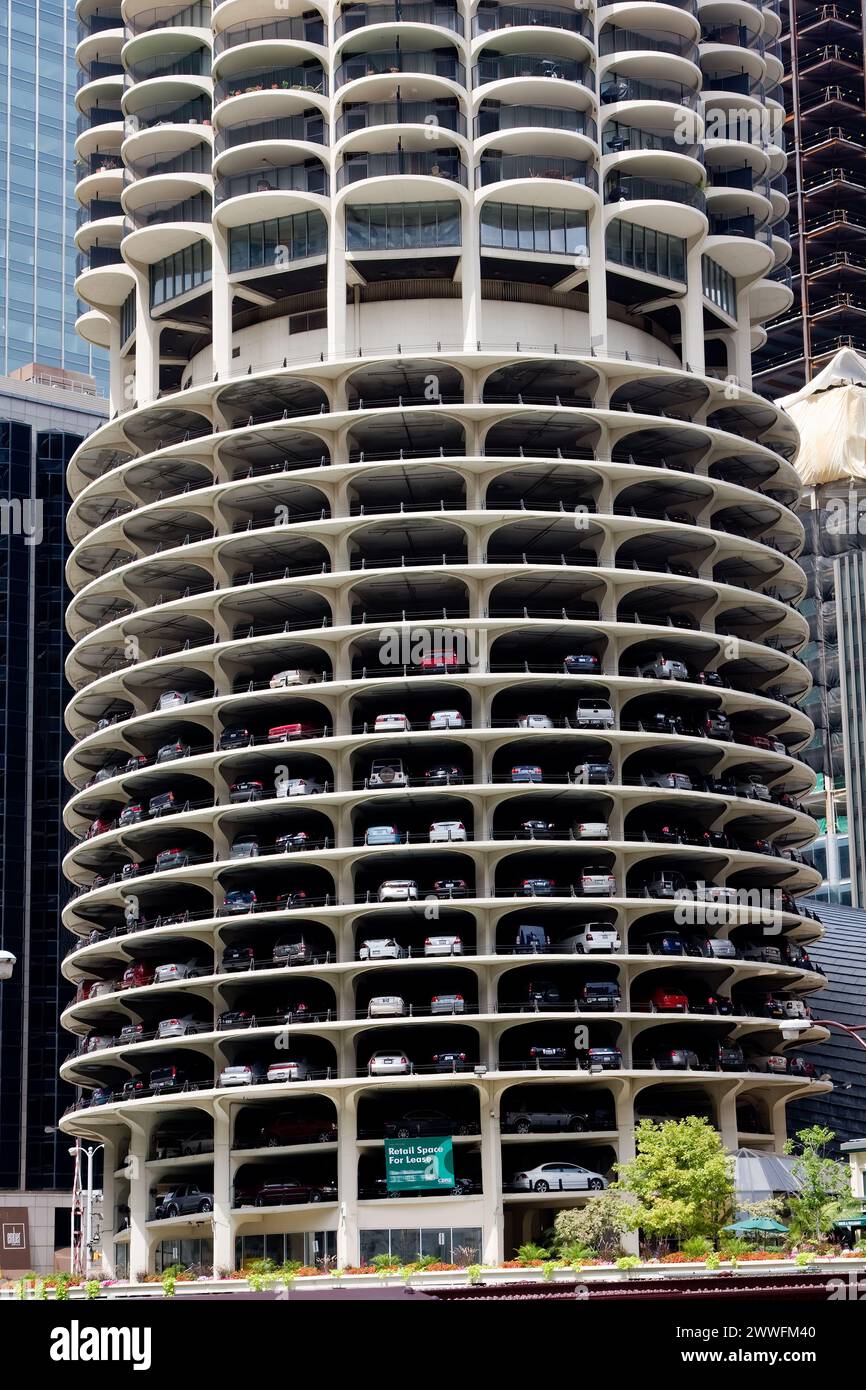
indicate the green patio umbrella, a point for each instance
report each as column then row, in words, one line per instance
column 757, row 1225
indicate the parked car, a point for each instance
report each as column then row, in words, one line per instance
column 664, row 668
column 594, row 714
column 447, row 1004
column 397, row 890
column 387, row 772
column 238, row 900
column 725, row 1056
column 137, row 975
column 440, row 662
column 537, row 888
column 534, row 721
column 292, row 950
column 548, row 1054
column 171, row 859
column 238, row 957
column 297, row 1129
column 527, row 772
column 289, row 1191
column 668, row 781
column 447, row 831
column 167, row 1079
column 442, row 775
column 298, row 786
column 381, row 948
column 665, row 943
column 600, row 994
column 443, row 944
column 591, row 830
column 446, row 719
column 389, row 1064
column 415, row 1123
column 663, row 883
column 597, row 881
column 593, row 773
column 180, row 1027
column 592, row 938
column 606, row 1058
column 296, row 675
column 544, row 1120
column 582, row 663
column 450, row 1060
column 182, row 1200
column 535, row 830
column 558, row 1177
column 382, row 835
column 531, row 940
column 676, row 1059
column 244, row 847
column 451, row 888
column 391, row 723
column 171, row 699
column 293, row 840
column 288, row 1070
column 282, row 733
column 170, row 752
column 666, row 999
column 234, row 737
column 386, row 1006
column 243, row 1074
column 179, row 970
column 245, row 789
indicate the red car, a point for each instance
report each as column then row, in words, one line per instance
column 668, row 1000
column 294, row 1129
column 280, row 732
column 439, row 661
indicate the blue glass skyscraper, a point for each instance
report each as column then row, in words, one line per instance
column 38, row 209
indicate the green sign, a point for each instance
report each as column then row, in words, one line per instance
column 420, row 1164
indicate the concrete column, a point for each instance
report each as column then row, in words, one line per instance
column 139, row 1199
column 337, row 283
column 348, row 1243
column 624, row 1100
column 470, row 271
column 491, row 1175
column 223, row 1243
column 742, row 341
column 147, row 333
column 222, row 299
column 692, row 311
column 116, row 382
column 597, row 284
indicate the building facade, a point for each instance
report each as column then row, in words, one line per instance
column 825, row 126
column 44, row 417
column 38, row 207
column 433, row 615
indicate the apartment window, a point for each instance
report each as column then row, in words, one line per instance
column 720, row 287
column 451, row 1244
column 641, row 248
column 515, row 227
column 277, row 241
column 177, row 274
column 402, row 226
column 127, row 318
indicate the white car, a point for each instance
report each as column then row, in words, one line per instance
column 591, row 830
column 389, row 1064
column 398, row 723
column 299, row 675
column 299, row 786
column 447, row 719
column 387, row 772
column 382, row 835
column 558, row 1177
column 242, row 1075
column 397, row 890
column 101, row 988
column 443, row 945
column 447, row 830
column 289, row 1071
column 597, row 883
column 178, row 970
column 381, row 948
column 595, row 936
column 534, row 721
column 386, row 1006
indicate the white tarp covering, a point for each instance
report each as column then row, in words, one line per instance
column 830, row 413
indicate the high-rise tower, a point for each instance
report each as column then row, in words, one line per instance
column 435, row 643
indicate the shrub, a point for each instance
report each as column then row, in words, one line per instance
column 597, row 1227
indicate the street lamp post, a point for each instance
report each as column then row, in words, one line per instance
column 89, row 1151
column 794, row 1027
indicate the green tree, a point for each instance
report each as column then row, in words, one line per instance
column 681, row 1182
column 824, row 1182
column 598, row 1226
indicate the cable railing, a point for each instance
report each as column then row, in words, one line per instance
column 195, row 209
column 439, row 163
column 304, row 29
column 309, row 77
column 196, row 160
column 398, row 60
column 621, row 139
column 310, row 128
column 194, row 16
column 496, row 67
column 354, row 17
column 496, row 167
column 195, row 112
column 183, row 64
column 547, row 16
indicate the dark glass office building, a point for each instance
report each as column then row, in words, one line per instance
column 41, row 425
column 38, row 206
